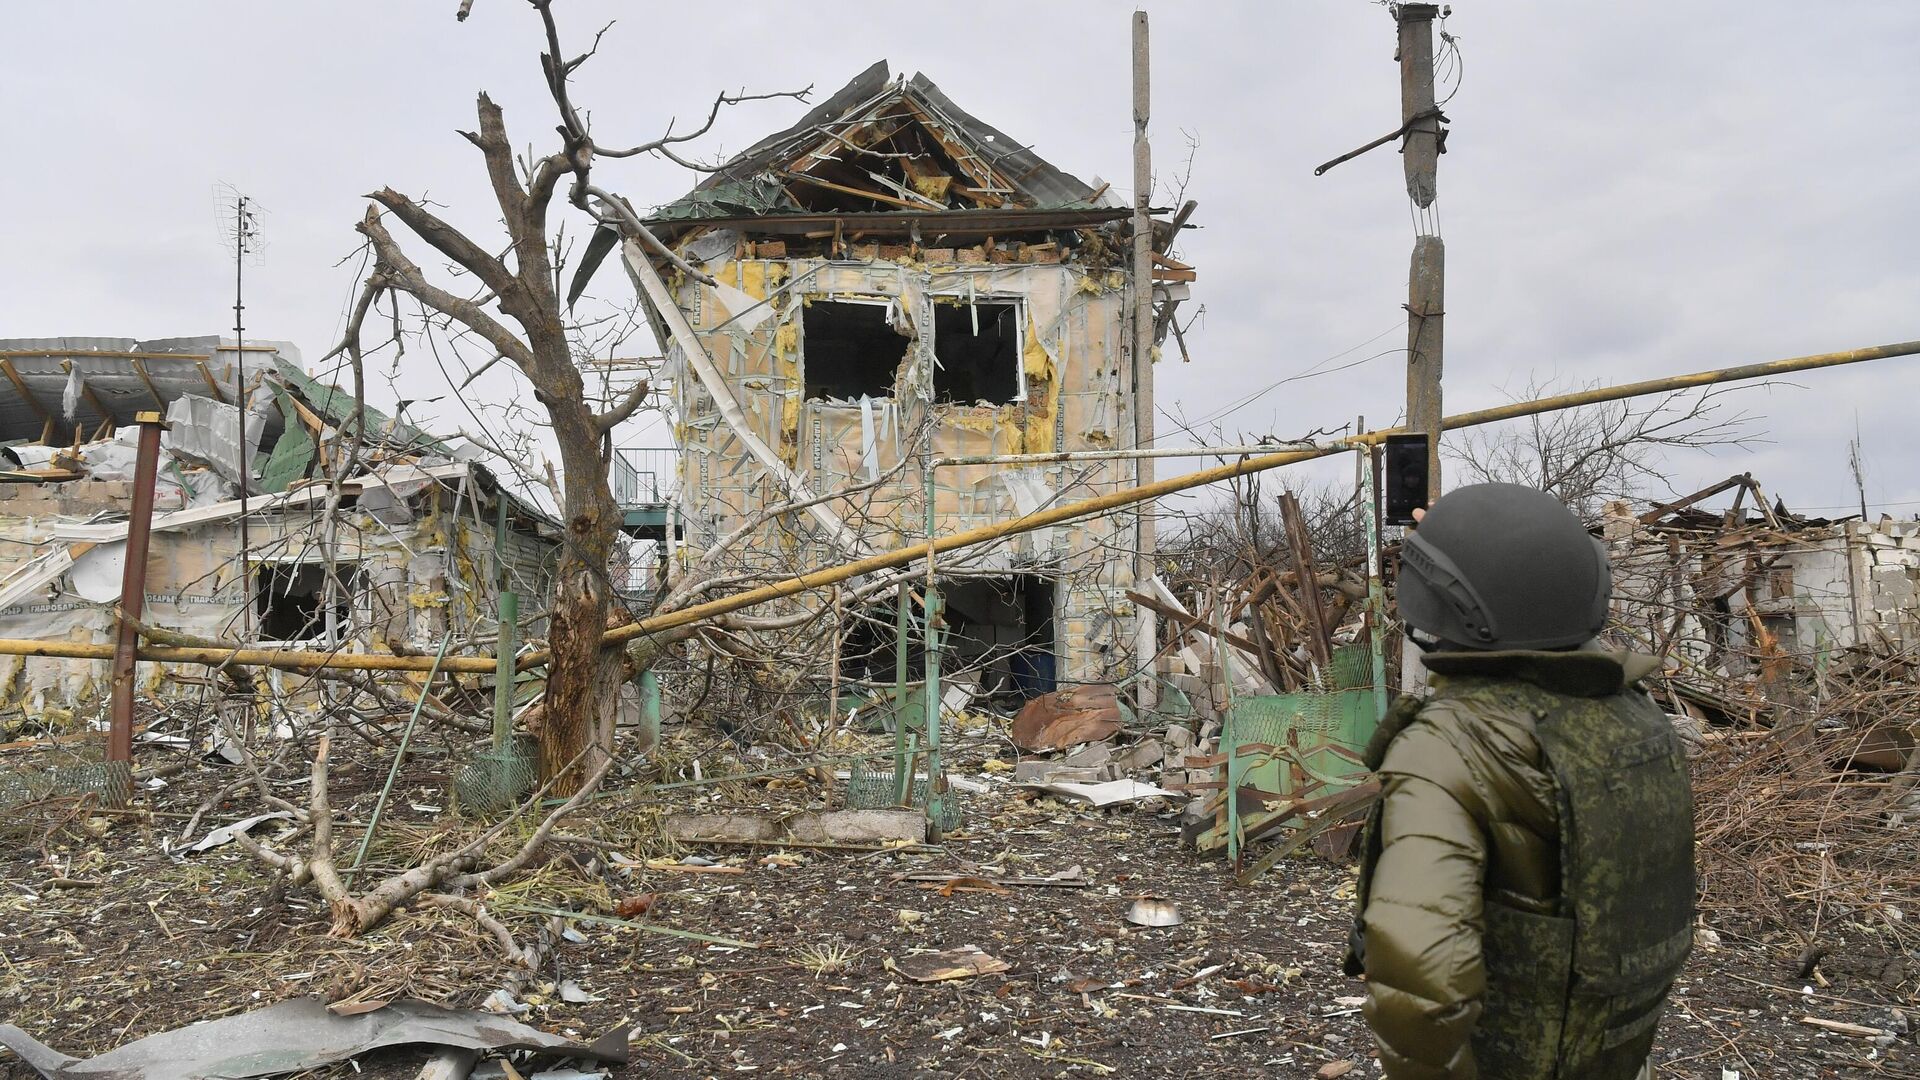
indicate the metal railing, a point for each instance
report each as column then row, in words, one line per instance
column 645, row 475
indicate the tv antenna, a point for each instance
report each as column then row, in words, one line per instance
column 240, row 220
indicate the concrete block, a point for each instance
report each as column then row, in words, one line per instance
column 697, row 828
column 1091, row 756
column 1143, row 755
column 858, row 826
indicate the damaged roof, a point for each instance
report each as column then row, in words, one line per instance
column 117, row 379
column 883, row 144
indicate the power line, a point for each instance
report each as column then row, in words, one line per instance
column 1316, row 369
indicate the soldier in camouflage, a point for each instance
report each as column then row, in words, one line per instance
column 1526, row 890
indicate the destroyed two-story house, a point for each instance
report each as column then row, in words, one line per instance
column 894, row 280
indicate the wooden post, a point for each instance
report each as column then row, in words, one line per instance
column 1146, row 637
column 1426, row 306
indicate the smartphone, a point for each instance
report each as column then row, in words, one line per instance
column 1404, row 477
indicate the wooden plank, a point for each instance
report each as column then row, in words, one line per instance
column 211, row 383
column 1841, row 1027
column 1193, row 623
column 1161, row 273
column 844, row 189
column 1318, row 641
column 93, row 401
column 140, row 369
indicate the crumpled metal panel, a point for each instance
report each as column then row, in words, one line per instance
column 297, row 1035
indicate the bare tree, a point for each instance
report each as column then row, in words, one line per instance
column 1595, row 454
column 518, row 315
column 1227, row 540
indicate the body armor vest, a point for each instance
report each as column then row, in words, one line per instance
column 1577, row 995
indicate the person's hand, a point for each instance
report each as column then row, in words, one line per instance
column 1418, row 513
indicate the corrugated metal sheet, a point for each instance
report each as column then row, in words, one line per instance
column 123, row 376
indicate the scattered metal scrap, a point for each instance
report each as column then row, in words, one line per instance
column 297, row 1035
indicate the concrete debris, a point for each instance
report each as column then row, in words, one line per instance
column 807, row 827
column 1092, row 756
column 1048, row 772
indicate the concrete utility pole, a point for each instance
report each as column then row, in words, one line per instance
column 1146, row 638
column 1426, row 299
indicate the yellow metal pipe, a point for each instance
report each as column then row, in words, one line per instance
column 1113, row 500
column 303, row 660
column 288, row 659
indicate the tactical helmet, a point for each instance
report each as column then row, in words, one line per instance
column 1503, row 566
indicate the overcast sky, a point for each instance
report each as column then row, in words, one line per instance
column 1632, row 189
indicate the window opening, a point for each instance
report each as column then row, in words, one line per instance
column 290, row 601
column 851, row 350
column 978, row 347
column 999, row 631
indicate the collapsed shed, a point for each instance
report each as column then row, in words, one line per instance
column 417, row 549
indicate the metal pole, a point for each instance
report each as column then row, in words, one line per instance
column 242, row 398
column 399, row 756
column 503, row 669
column 133, row 588
column 936, row 779
column 506, row 648
column 902, row 625
column 1376, row 592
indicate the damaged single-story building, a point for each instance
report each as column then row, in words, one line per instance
column 410, row 558
column 894, row 280
column 1726, row 590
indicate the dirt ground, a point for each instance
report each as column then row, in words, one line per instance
column 110, row 930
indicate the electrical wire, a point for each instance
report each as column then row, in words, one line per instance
column 1317, row 369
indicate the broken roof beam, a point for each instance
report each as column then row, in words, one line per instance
column 212, row 383
column 861, row 142
column 863, row 193
column 140, row 368
column 1677, row 505
column 26, row 395
column 981, row 173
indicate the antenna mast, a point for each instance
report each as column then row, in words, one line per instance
column 240, row 227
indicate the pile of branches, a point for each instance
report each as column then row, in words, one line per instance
column 1815, row 820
